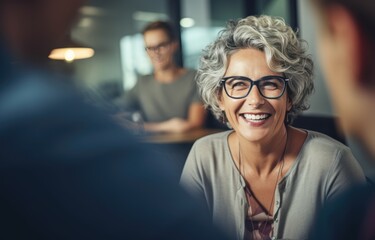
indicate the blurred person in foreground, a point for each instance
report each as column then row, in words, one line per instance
column 67, row 172
column 346, row 40
column 168, row 98
column 264, row 179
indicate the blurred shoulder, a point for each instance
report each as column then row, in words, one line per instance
column 34, row 92
column 44, row 119
column 145, row 78
column 190, row 73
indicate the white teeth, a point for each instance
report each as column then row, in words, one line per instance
column 255, row 116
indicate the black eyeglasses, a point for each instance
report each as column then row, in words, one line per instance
column 271, row 87
column 160, row 47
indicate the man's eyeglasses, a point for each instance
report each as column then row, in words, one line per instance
column 271, row 87
column 160, row 47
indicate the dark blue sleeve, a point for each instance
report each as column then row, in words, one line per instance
column 67, row 172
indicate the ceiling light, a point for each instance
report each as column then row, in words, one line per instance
column 148, row 16
column 93, row 11
column 187, row 22
column 71, row 51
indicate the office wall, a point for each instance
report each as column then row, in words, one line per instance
column 320, row 101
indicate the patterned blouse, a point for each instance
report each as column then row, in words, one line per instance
column 259, row 224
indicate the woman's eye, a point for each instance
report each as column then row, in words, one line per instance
column 270, row 85
column 239, row 84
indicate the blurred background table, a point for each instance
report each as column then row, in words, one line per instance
column 176, row 146
column 186, row 137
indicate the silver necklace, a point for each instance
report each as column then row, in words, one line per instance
column 281, row 166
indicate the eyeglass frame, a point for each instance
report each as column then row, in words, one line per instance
column 256, row 83
column 158, row 47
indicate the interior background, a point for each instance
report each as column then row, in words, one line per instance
column 112, row 28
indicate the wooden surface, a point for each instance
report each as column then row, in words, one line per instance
column 186, row 137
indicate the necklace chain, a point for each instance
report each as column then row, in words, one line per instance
column 281, row 166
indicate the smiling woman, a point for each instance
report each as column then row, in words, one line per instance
column 263, row 176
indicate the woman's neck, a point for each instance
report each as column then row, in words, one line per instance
column 262, row 158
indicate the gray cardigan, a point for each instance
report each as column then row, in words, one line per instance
column 322, row 169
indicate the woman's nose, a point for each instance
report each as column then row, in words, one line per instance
column 254, row 97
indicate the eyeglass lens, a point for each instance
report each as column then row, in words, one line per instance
column 239, row 87
column 157, row 48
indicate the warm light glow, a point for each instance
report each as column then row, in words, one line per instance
column 71, row 54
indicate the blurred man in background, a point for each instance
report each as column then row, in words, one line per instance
column 168, row 99
column 66, row 171
column 346, row 40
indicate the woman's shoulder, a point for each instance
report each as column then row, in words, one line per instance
column 324, row 150
column 321, row 157
column 324, row 156
column 210, row 152
column 219, row 137
column 321, row 140
column 212, row 141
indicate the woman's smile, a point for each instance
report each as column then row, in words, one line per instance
column 255, row 119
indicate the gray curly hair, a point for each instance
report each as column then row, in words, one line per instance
column 285, row 53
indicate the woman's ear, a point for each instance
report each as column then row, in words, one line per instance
column 221, row 105
column 289, row 104
column 220, row 102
